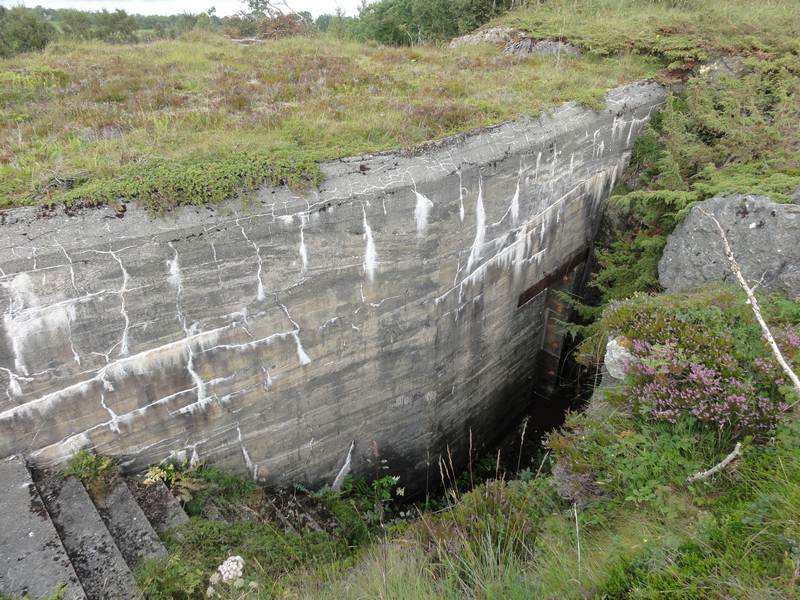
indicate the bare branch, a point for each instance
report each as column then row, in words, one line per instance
column 723, row 464
column 751, row 297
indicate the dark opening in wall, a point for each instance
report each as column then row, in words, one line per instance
column 551, row 278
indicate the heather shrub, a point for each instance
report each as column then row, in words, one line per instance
column 669, row 385
column 702, row 355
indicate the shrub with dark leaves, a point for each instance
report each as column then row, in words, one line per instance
column 668, row 385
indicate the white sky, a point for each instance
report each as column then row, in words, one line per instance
column 168, row 7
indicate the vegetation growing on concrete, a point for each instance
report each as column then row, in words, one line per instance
column 95, row 471
column 200, row 118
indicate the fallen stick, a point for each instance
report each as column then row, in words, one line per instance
column 751, row 297
column 723, row 464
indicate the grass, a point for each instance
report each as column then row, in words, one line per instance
column 681, row 32
column 198, row 119
column 201, row 118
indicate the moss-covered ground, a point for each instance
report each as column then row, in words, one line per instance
column 203, row 118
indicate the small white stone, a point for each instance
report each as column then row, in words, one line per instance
column 617, row 359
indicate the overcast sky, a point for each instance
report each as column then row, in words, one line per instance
column 168, row 7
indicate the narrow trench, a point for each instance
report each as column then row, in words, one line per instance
column 521, row 452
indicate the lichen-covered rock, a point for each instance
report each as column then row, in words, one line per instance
column 531, row 47
column 492, row 35
column 764, row 236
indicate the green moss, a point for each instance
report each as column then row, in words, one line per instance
column 162, row 184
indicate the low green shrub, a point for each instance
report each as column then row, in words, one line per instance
column 733, row 134
column 163, row 184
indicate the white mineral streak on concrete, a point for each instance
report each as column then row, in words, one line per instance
column 303, row 250
column 143, row 363
column 370, row 254
column 515, row 200
column 421, row 212
column 345, row 470
column 123, row 307
column 113, row 424
column 295, row 333
column 480, row 230
column 176, row 281
column 513, row 207
column 252, row 468
column 260, row 293
column 460, row 197
column 26, row 318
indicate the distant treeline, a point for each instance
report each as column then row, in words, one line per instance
column 394, row 22
column 413, row 22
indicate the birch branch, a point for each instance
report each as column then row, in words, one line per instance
column 703, row 475
column 751, row 297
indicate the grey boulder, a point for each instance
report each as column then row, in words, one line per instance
column 764, row 237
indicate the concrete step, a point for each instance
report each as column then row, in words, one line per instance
column 98, row 562
column 128, row 525
column 160, row 507
column 33, row 561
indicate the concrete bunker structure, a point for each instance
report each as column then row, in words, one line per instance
column 367, row 325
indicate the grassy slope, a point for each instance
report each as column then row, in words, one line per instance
column 678, row 30
column 225, row 113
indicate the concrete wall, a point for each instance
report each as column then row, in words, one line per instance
column 369, row 323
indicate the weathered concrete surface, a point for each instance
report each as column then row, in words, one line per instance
column 161, row 508
column 33, row 563
column 92, row 551
column 764, row 236
column 379, row 318
column 128, row 525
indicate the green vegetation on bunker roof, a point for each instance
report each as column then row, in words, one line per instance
column 202, row 118
column 198, row 119
column 676, row 31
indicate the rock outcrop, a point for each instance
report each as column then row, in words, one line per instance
column 368, row 325
column 530, row 47
column 764, row 236
column 490, row 35
column 516, row 42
